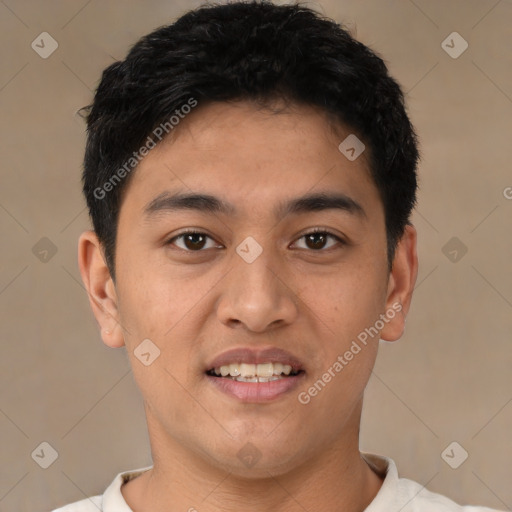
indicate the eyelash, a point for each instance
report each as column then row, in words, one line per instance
column 322, row 231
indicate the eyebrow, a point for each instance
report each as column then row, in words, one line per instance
column 206, row 203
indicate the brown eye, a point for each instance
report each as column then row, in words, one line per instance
column 194, row 241
column 317, row 240
column 191, row 241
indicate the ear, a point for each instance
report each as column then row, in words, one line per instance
column 100, row 288
column 402, row 279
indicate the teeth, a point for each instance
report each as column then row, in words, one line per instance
column 256, row 379
column 234, row 370
column 278, row 368
column 262, row 372
column 248, row 370
column 265, row 370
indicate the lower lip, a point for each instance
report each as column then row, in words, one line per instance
column 254, row 392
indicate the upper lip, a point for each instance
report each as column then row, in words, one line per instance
column 256, row 356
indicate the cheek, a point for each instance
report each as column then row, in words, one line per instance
column 348, row 301
column 159, row 307
column 143, row 308
column 150, row 300
column 158, row 347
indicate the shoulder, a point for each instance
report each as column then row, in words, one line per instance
column 415, row 497
column 92, row 504
column 403, row 495
column 112, row 499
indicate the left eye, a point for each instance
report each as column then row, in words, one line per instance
column 316, row 240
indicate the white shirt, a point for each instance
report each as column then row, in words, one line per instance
column 395, row 495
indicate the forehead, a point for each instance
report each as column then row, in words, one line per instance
column 250, row 157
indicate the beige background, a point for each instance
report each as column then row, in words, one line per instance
column 448, row 379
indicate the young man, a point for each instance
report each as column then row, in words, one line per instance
column 250, row 171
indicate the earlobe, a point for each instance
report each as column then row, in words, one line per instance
column 401, row 285
column 100, row 288
column 113, row 337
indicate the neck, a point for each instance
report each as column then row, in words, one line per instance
column 180, row 480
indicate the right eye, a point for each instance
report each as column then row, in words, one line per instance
column 192, row 241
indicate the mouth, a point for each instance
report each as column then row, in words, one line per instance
column 262, row 372
column 255, row 376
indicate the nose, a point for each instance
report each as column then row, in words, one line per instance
column 257, row 295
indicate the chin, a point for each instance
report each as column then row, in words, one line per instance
column 265, row 467
column 257, row 457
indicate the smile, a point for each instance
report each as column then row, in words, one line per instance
column 246, row 372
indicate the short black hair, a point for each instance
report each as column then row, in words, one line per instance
column 246, row 51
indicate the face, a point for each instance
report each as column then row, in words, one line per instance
column 284, row 262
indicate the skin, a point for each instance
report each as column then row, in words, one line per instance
column 309, row 299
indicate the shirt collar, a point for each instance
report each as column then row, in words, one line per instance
column 113, row 500
column 385, row 467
